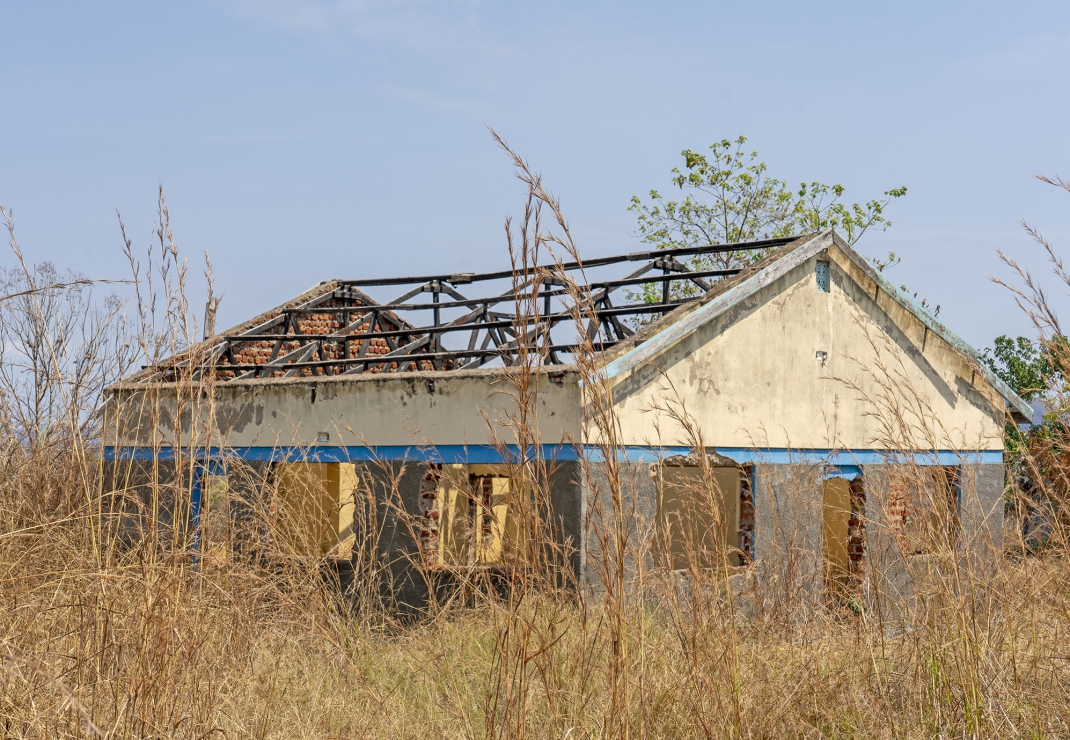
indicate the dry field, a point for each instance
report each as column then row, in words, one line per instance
column 104, row 634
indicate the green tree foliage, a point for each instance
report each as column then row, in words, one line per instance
column 728, row 197
column 1033, row 370
column 1021, row 364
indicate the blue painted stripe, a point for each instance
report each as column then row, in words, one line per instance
column 490, row 454
column 782, row 456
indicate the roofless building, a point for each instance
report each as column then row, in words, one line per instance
column 822, row 410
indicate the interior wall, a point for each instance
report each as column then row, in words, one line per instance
column 836, row 532
column 316, row 502
column 698, row 521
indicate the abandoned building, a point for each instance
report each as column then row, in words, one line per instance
column 838, row 418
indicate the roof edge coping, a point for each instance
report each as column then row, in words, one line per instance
column 953, row 340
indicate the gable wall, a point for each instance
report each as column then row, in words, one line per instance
column 750, row 378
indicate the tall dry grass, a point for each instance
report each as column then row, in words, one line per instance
column 116, row 619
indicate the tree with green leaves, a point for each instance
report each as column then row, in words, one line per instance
column 1032, row 370
column 1020, row 363
column 728, row 197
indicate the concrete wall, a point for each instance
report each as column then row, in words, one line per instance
column 387, row 517
column 398, row 518
column 145, row 493
column 981, row 508
column 631, row 492
column 788, row 574
column 752, row 377
column 149, row 494
column 425, row 408
column 637, row 499
column 788, row 536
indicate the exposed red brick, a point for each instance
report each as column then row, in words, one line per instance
column 746, row 514
column 856, row 526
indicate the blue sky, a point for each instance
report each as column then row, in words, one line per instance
column 300, row 141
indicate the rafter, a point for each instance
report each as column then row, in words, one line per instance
column 337, row 329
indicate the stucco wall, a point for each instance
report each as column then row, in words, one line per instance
column 637, row 497
column 788, row 509
column 752, row 377
column 428, row 408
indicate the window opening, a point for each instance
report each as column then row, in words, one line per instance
column 746, row 514
column 844, row 536
column 214, row 517
column 699, row 519
column 473, row 521
column 856, row 530
column 314, row 508
column 822, row 273
column 835, row 545
column 923, row 508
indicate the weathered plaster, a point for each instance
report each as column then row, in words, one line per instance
column 430, row 408
column 754, row 376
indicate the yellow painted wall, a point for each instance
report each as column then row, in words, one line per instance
column 215, row 519
column 752, row 377
column 454, row 516
column 836, row 524
column 316, row 502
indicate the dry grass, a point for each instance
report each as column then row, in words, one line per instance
column 112, row 632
